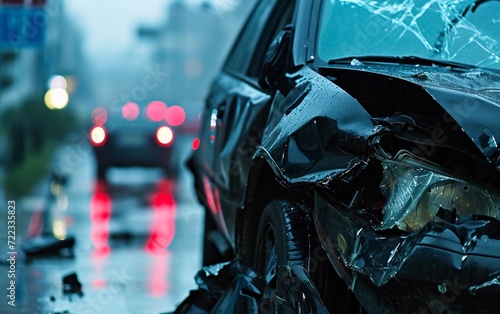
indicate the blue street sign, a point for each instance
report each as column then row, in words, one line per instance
column 22, row 27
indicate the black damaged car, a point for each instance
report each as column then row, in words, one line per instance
column 349, row 160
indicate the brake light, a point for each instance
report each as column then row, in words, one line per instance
column 156, row 110
column 99, row 116
column 175, row 115
column 164, row 136
column 98, row 136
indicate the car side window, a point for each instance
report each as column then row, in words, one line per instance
column 281, row 16
column 241, row 54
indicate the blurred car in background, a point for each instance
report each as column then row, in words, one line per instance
column 349, row 155
column 136, row 136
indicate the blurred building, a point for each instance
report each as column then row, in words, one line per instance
column 191, row 46
column 37, row 41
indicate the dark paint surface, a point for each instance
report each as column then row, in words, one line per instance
column 441, row 254
column 325, row 131
column 470, row 96
column 318, row 134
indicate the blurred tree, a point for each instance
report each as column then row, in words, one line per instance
column 33, row 133
column 6, row 79
column 30, row 126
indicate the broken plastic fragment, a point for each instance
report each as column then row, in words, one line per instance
column 47, row 244
column 72, row 285
column 231, row 287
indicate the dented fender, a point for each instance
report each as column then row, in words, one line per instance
column 320, row 137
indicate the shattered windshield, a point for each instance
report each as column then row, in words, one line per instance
column 460, row 31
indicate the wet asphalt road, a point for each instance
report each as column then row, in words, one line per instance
column 138, row 240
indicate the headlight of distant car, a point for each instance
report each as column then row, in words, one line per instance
column 415, row 194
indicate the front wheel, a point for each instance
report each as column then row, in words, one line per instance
column 283, row 237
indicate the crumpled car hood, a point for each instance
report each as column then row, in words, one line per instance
column 302, row 152
column 470, row 96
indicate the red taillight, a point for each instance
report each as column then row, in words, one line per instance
column 175, row 115
column 156, row 110
column 99, row 116
column 164, row 136
column 98, row 135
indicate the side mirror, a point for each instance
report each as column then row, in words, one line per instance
column 276, row 60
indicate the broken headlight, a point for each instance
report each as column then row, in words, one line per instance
column 416, row 193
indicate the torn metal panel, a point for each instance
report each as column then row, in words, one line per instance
column 415, row 266
column 231, row 287
column 236, row 143
column 460, row 106
column 492, row 283
column 297, row 286
column 228, row 145
column 476, row 115
column 234, row 287
column 320, row 138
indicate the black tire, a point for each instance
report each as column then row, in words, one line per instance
column 283, row 237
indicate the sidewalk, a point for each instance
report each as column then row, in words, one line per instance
column 26, row 207
column 31, row 209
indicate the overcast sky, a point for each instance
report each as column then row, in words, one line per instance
column 109, row 26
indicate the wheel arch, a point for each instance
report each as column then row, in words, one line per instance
column 264, row 185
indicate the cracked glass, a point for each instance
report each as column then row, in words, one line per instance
column 466, row 32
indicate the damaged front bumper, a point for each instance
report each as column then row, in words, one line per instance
column 442, row 268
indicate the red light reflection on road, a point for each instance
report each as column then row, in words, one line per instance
column 100, row 214
column 158, row 272
column 99, row 283
column 164, row 211
column 162, row 234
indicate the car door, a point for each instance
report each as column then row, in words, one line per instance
column 236, row 112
